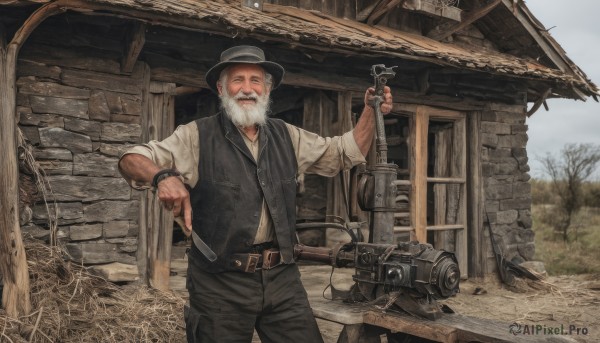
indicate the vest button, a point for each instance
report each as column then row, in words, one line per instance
column 262, row 183
column 238, row 263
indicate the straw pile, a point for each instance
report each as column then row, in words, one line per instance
column 72, row 305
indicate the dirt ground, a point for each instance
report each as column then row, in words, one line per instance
column 561, row 300
column 558, row 300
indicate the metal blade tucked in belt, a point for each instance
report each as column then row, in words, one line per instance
column 204, row 249
column 198, row 242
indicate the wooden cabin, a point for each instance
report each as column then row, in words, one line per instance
column 83, row 80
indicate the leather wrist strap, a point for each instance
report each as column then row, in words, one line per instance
column 163, row 174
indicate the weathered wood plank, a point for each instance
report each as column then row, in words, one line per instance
column 476, row 238
column 82, row 58
column 412, row 326
column 117, row 272
column 418, row 173
column 459, row 169
column 441, row 166
column 109, row 82
column 33, row 68
column 455, row 328
column 15, row 296
column 134, row 42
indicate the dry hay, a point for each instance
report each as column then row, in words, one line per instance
column 555, row 301
column 73, row 305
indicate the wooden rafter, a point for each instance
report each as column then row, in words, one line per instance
column 134, row 42
column 539, row 102
column 447, row 29
column 381, row 9
column 365, row 12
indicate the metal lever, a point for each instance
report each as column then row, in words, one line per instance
column 381, row 74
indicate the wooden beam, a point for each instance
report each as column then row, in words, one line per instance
column 134, row 42
column 539, row 102
column 446, row 227
column 418, row 173
column 13, row 262
column 460, row 180
column 447, row 29
column 459, row 169
column 381, row 9
column 550, row 51
column 476, row 239
column 364, row 13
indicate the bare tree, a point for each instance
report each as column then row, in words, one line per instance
column 573, row 166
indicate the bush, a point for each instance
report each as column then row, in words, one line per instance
column 581, row 256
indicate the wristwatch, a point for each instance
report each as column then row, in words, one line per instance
column 163, row 174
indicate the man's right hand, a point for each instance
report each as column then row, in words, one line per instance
column 171, row 190
column 175, row 197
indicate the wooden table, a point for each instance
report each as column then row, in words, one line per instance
column 366, row 323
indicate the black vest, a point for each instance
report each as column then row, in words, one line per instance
column 227, row 200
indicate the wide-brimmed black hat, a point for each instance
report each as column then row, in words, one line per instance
column 244, row 54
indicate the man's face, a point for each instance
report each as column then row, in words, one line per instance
column 244, row 94
column 244, row 78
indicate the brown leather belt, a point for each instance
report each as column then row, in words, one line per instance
column 249, row 263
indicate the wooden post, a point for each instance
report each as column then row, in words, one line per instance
column 477, row 242
column 418, row 174
column 13, row 263
column 157, row 228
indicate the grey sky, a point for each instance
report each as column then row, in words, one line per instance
column 577, row 30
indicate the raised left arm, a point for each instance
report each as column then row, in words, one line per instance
column 365, row 128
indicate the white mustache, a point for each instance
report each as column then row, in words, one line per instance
column 241, row 96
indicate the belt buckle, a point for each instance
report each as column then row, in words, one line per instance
column 269, row 259
column 252, row 263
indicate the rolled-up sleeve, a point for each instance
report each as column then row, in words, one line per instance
column 179, row 151
column 325, row 156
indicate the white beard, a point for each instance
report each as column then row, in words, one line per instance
column 245, row 115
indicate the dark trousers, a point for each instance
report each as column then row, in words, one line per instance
column 227, row 307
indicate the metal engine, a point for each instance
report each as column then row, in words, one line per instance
column 409, row 275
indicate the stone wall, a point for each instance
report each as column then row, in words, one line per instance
column 80, row 114
column 506, row 177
